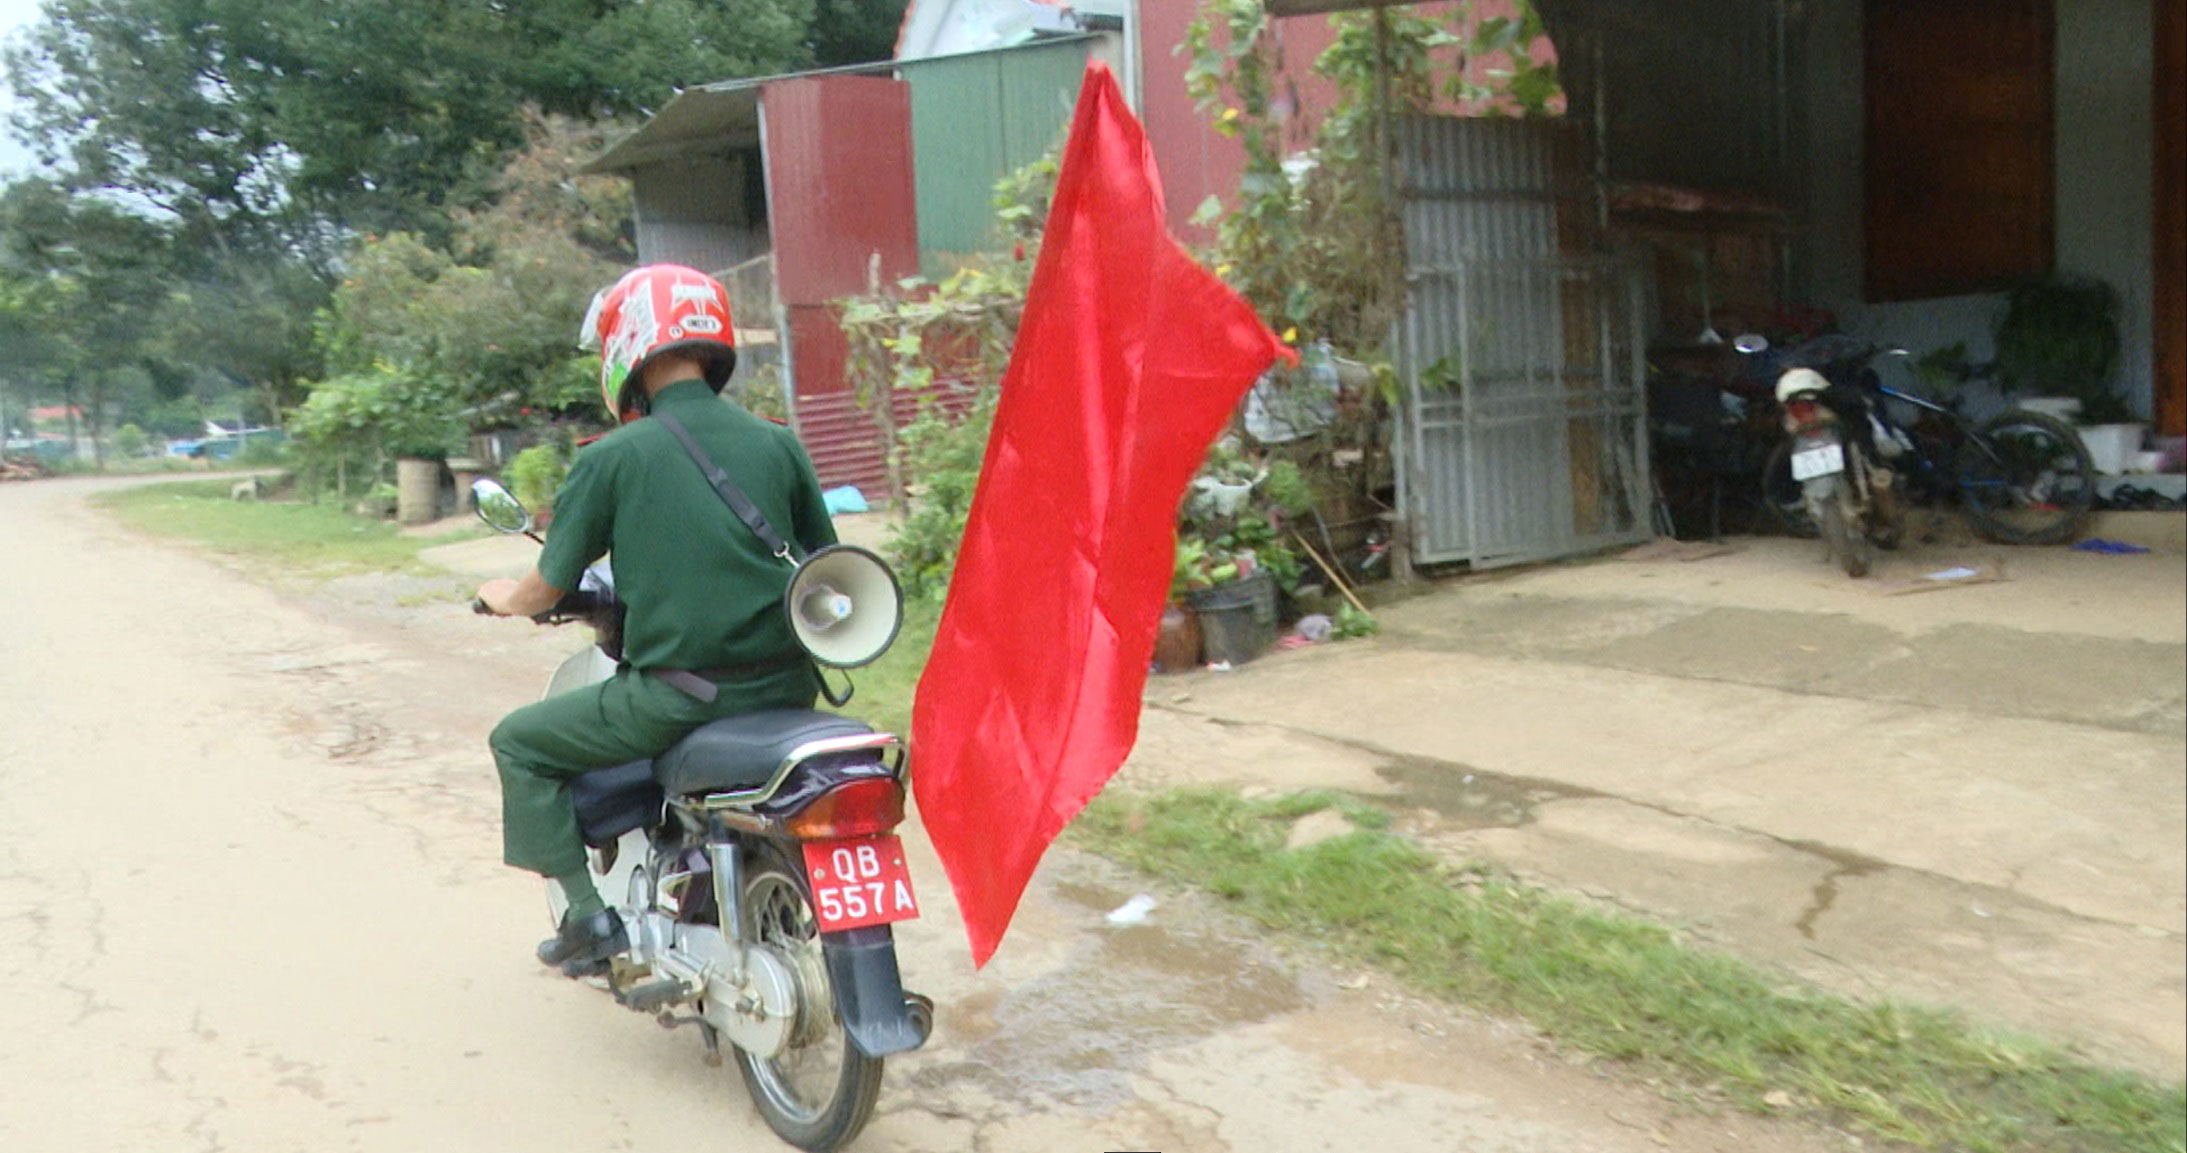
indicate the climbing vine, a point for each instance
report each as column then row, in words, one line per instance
column 1311, row 239
column 927, row 359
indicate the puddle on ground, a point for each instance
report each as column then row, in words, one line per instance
column 1079, row 1034
column 1465, row 797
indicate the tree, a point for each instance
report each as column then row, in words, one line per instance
column 244, row 120
column 488, row 325
column 93, row 284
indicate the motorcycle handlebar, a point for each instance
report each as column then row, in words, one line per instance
column 573, row 606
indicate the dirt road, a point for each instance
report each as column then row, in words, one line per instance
column 252, row 902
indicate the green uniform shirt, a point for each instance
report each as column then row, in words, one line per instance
column 701, row 590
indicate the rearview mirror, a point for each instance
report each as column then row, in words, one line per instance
column 501, row 511
column 1751, row 343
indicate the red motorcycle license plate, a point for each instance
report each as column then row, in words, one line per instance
column 859, row 882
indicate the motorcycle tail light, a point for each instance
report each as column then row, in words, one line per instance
column 858, row 809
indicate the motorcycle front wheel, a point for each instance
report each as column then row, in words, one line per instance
column 818, row 1092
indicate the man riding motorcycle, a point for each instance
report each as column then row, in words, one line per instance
column 705, row 636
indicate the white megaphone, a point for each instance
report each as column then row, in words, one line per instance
column 845, row 607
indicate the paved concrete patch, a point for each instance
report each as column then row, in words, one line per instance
column 1972, row 797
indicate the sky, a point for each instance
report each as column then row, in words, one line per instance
column 13, row 15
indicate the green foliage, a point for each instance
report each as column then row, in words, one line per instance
column 251, row 119
column 80, row 281
column 1218, row 541
column 2060, row 338
column 535, row 475
column 263, row 452
column 1287, row 489
column 1631, row 991
column 1351, row 622
column 129, row 440
column 490, row 322
column 374, row 416
column 944, row 453
column 1311, row 241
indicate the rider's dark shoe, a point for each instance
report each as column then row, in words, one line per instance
column 584, row 944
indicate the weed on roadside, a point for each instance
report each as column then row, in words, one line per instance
column 1630, row 991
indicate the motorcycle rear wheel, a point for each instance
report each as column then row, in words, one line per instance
column 818, row 1093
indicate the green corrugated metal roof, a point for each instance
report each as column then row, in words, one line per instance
column 975, row 119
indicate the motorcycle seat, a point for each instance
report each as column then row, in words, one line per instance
column 744, row 752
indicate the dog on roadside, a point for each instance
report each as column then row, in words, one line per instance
column 246, row 489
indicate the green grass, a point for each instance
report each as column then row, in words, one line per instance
column 1628, row 990
column 885, row 687
column 318, row 539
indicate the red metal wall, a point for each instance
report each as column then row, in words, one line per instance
column 839, row 192
column 839, row 183
column 1197, row 162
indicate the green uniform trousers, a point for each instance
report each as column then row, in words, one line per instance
column 628, row 717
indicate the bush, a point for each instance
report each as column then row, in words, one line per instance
column 535, row 475
column 131, row 441
column 943, row 455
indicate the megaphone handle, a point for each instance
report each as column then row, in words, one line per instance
column 849, row 690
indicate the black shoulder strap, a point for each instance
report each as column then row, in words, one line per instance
column 727, row 489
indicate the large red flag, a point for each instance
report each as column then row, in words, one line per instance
column 1129, row 360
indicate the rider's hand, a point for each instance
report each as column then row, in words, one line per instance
column 495, row 595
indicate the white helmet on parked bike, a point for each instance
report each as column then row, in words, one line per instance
column 1800, row 380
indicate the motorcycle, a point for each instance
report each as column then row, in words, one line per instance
column 760, row 875
column 1847, row 469
column 1841, row 469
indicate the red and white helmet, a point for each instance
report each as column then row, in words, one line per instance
column 656, row 309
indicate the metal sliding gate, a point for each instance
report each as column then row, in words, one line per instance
column 1523, row 433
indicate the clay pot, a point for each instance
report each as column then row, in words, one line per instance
column 1177, row 641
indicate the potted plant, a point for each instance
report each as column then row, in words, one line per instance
column 1233, row 563
column 2058, row 343
column 1177, row 643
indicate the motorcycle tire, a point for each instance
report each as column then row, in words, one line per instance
column 778, row 913
column 1850, row 548
column 2026, row 478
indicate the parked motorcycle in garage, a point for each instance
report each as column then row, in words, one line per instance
column 760, row 876
column 1847, row 469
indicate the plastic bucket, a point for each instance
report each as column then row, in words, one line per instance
column 1237, row 620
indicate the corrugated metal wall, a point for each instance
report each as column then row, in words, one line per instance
column 839, row 197
column 839, row 186
column 706, row 212
column 975, row 119
column 1523, row 436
